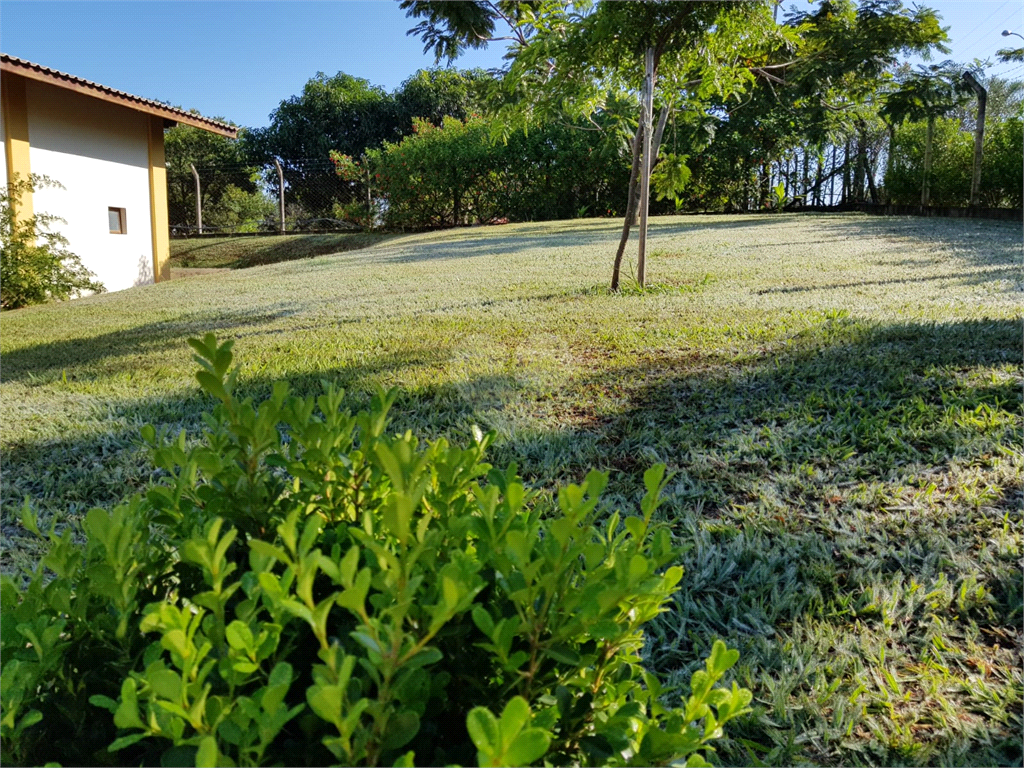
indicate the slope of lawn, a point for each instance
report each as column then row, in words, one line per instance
column 839, row 398
column 253, row 251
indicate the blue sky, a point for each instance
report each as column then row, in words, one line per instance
column 239, row 60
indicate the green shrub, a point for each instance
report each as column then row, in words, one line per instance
column 456, row 173
column 304, row 588
column 35, row 264
column 953, row 163
column 241, row 210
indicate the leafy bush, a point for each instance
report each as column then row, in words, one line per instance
column 303, row 588
column 455, row 174
column 953, row 163
column 242, row 211
column 35, row 263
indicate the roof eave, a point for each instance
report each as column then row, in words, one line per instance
column 77, row 85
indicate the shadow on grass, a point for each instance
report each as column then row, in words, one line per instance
column 40, row 361
column 244, row 252
column 976, row 277
column 846, row 502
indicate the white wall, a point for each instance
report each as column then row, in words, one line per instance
column 100, row 152
column 3, row 151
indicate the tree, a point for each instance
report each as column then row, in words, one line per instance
column 351, row 116
column 434, row 94
column 35, row 263
column 926, row 94
column 222, row 162
column 567, row 58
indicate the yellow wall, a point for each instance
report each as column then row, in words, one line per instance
column 158, row 200
column 15, row 116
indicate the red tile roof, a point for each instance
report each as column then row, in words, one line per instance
column 63, row 80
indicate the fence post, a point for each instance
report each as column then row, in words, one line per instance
column 369, row 199
column 280, row 192
column 199, row 199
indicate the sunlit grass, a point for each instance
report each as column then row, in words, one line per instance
column 839, row 397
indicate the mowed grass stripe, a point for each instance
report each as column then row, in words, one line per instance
column 839, row 397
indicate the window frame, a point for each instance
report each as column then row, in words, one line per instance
column 122, row 216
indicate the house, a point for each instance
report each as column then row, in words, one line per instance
column 106, row 148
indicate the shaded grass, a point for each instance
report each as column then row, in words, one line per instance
column 839, row 398
column 243, row 252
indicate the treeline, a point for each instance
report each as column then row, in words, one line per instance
column 332, row 113
column 430, row 154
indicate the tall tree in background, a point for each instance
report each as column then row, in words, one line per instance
column 565, row 59
column 434, row 94
column 350, row 116
column 226, row 170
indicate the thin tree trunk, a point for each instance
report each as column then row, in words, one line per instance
column 866, row 171
column 872, row 189
column 818, row 162
column 630, row 205
column 926, row 185
column 888, row 161
column 659, row 131
column 655, row 147
column 859, row 166
column 832, row 179
column 804, row 192
column 645, row 171
column 846, row 173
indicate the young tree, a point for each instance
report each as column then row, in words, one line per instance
column 564, row 59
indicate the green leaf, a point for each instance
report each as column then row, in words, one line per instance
column 105, row 702
column 515, row 715
column 653, row 478
column 212, row 384
column 402, row 727
column 206, row 755
column 239, row 636
column 126, row 741
column 29, row 719
column 483, row 730
column 637, row 567
column 425, row 657
column 528, row 747
column 325, row 701
column 635, row 526
column 269, row 550
column 165, row 683
column 721, row 659
column 449, row 592
column 348, row 566
column 127, row 715
column 281, row 674
column 564, row 654
column 483, row 620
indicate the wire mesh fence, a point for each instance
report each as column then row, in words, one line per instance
column 238, row 200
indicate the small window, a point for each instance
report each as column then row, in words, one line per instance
column 118, row 224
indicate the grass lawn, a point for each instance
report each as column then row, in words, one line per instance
column 839, row 397
column 253, row 251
